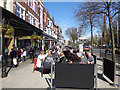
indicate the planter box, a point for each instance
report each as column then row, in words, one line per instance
column 74, row 75
column 108, row 69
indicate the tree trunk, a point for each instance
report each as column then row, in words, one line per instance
column 91, row 35
column 74, row 43
column 112, row 39
column 91, row 40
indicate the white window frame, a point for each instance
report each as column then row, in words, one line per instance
column 41, row 17
column 31, row 16
column 44, row 17
column 32, row 4
column 36, row 20
column 35, row 7
column 21, row 7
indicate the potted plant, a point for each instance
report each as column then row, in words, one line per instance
column 34, row 36
column 7, row 29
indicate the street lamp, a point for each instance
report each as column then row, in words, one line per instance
column 4, row 74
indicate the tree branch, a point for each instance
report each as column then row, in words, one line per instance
column 114, row 14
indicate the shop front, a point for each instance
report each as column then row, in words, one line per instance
column 22, row 31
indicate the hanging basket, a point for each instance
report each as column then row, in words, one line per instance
column 40, row 39
column 34, row 37
column 7, row 32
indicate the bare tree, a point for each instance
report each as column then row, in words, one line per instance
column 110, row 9
column 72, row 33
column 87, row 18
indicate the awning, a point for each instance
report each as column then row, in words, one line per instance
column 24, row 37
column 22, row 27
column 49, row 38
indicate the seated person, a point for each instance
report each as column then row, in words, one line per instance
column 89, row 58
column 83, row 59
column 41, row 57
column 62, row 58
column 76, row 58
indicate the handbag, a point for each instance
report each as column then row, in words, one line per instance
column 14, row 61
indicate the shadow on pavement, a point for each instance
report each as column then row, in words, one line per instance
column 99, row 59
column 118, row 75
column 48, row 80
column 99, row 65
column 9, row 70
column 100, row 76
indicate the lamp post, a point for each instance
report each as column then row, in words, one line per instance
column 4, row 74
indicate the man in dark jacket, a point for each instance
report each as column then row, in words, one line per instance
column 13, row 54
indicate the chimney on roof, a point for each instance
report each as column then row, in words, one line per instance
column 53, row 19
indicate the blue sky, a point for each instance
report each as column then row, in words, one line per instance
column 63, row 14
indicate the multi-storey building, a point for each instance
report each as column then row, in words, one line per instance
column 34, row 13
column 60, row 36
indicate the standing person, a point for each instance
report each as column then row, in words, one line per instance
column 32, row 54
column 19, row 55
column 24, row 54
column 6, row 55
column 13, row 54
column 21, row 52
column 37, row 53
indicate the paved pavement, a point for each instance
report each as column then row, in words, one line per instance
column 102, row 83
column 22, row 77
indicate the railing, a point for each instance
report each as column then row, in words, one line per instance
column 104, row 54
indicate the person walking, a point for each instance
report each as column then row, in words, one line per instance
column 19, row 55
column 6, row 55
column 24, row 54
column 32, row 51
